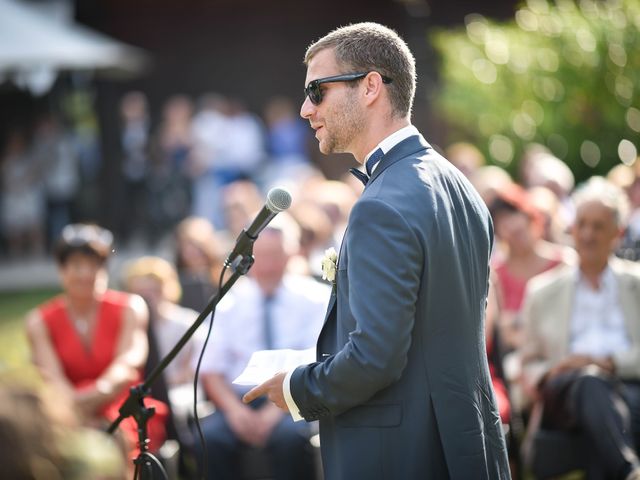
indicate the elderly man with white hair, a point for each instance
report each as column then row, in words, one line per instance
column 581, row 353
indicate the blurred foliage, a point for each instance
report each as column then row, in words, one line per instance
column 564, row 74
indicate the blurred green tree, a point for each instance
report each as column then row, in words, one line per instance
column 564, row 74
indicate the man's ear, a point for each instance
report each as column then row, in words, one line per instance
column 372, row 87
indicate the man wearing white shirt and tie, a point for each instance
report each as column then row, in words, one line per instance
column 267, row 310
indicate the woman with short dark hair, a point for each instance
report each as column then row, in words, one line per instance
column 91, row 342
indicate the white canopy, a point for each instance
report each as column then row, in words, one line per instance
column 31, row 41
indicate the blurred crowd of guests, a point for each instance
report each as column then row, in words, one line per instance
column 563, row 316
column 564, row 313
column 98, row 338
column 170, row 166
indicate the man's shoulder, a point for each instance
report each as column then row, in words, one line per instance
column 548, row 282
column 626, row 268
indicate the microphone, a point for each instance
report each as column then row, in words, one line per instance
column 278, row 199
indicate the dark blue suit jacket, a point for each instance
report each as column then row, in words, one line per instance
column 401, row 386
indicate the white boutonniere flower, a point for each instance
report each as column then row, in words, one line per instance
column 330, row 265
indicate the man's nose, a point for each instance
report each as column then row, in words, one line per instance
column 307, row 108
column 586, row 233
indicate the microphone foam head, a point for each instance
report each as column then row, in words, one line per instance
column 278, row 199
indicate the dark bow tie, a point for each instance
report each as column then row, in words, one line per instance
column 363, row 177
column 371, row 162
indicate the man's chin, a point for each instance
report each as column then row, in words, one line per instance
column 328, row 148
column 324, row 148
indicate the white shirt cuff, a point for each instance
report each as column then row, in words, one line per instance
column 286, row 390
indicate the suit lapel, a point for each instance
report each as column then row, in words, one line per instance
column 332, row 305
column 334, row 289
column 628, row 295
column 565, row 294
column 628, row 298
column 321, row 345
column 331, row 308
column 408, row 147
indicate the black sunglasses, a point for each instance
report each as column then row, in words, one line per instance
column 314, row 92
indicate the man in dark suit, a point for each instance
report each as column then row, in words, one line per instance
column 401, row 385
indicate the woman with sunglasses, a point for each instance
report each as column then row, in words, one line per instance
column 91, row 342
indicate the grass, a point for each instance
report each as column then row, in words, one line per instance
column 14, row 349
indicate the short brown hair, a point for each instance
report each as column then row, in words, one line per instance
column 373, row 47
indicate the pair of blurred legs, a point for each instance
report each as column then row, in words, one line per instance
column 288, row 448
column 606, row 411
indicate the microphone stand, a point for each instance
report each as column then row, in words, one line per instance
column 134, row 405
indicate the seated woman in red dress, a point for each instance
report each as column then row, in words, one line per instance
column 91, row 342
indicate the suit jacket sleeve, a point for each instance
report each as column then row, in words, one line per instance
column 385, row 262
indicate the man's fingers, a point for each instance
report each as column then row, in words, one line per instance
column 254, row 393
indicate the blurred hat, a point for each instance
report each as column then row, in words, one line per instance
column 514, row 198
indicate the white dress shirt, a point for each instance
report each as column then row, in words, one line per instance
column 597, row 322
column 298, row 309
column 385, row 145
column 391, row 141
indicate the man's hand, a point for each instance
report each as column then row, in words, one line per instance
column 272, row 388
column 572, row 362
column 575, row 362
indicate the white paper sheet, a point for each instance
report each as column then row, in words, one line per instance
column 264, row 364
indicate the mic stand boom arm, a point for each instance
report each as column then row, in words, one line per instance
column 134, row 404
